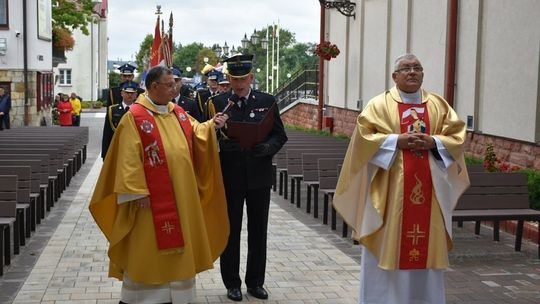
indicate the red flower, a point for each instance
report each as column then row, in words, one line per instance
column 326, row 50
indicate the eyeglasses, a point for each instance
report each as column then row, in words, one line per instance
column 169, row 85
column 409, row 69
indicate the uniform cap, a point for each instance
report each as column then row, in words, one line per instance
column 177, row 73
column 127, row 69
column 239, row 65
column 214, row 75
column 129, row 86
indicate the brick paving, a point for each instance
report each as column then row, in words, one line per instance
column 65, row 261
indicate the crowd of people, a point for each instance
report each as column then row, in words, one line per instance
column 69, row 109
column 175, row 179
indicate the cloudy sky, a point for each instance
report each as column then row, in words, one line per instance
column 207, row 22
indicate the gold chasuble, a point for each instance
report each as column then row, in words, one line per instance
column 198, row 192
column 401, row 222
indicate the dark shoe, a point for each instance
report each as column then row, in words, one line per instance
column 258, row 292
column 234, row 294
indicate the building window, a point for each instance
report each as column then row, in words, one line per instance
column 65, row 76
column 4, row 14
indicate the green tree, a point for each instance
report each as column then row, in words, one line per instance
column 205, row 52
column 114, row 79
column 186, row 56
column 143, row 55
column 72, row 15
column 293, row 56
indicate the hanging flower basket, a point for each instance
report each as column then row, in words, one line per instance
column 62, row 39
column 326, row 50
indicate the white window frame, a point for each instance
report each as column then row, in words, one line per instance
column 63, row 77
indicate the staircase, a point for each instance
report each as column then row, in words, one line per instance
column 302, row 84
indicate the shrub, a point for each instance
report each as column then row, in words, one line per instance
column 471, row 160
column 533, row 183
column 97, row 104
column 86, row 104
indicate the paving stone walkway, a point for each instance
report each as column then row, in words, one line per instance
column 66, row 261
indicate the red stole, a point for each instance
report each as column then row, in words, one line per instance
column 417, row 191
column 167, row 224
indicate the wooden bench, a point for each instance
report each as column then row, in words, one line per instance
column 48, row 176
column 57, row 167
column 295, row 166
column 497, row 197
column 310, row 172
column 24, row 203
column 8, row 224
column 328, row 177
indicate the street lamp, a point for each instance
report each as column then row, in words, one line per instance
column 254, row 38
column 245, row 42
column 225, row 49
column 217, row 50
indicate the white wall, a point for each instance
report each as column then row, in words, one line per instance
column 336, row 68
column 375, row 49
column 467, row 59
column 509, row 68
column 14, row 58
column 428, row 40
column 87, row 62
column 497, row 64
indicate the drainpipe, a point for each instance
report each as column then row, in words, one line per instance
column 321, row 70
column 25, row 56
column 451, row 47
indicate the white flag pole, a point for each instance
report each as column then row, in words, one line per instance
column 277, row 57
column 267, row 50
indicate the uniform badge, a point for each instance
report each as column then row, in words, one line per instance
column 152, row 154
column 147, row 126
column 182, row 116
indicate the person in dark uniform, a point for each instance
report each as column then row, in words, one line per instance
column 204, row 94
column 115, row 113
column 126, row 75
column 223, row 83
column 247, row 175
column 189, row 105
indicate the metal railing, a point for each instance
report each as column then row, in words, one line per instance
column 302, row 84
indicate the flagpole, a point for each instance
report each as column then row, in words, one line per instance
column 154, row 52
column 267, row 49
column 273, row 50
column 171, row 46
column 277, row 57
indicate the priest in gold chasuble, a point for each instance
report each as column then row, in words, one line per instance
column 401, row 178
column 160, row 199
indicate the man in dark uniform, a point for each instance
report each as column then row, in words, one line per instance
column 223, row 83
column 115, row 113
column 126, row 75
column 247, row 175
column 204, row 94
column 189, row 105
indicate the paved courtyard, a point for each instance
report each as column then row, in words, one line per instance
column 65, row 261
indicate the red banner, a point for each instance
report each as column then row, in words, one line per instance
column 155, row 52
column 167, row 226
column 417, row 191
